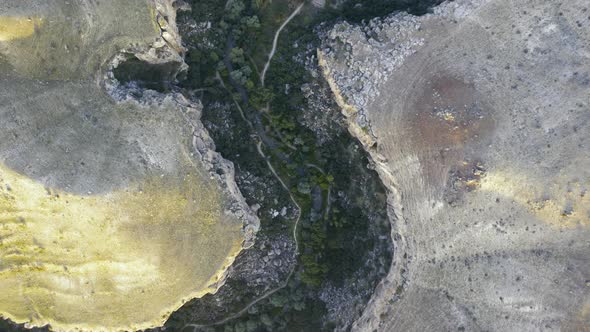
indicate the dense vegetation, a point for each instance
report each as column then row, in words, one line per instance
column 228, row 46
column 334, row 237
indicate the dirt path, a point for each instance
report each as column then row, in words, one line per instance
column 275, row 174
column 295, row 227
column 286, row 281
column 276, row 40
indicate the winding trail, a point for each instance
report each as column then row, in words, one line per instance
column 261, row 140
column 295, row 227
column 276, row 40
column 286, row 281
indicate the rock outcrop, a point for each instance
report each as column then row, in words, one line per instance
column 115, row 208
column 477, row 119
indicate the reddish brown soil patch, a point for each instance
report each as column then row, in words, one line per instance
column 447, row 115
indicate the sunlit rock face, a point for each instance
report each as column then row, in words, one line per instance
column 478, row 118
column 113, row 213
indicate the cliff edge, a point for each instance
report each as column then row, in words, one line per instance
column 476, row 117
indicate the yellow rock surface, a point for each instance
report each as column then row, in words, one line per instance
column 17, row 27
column 122, row 260
column 556, row 205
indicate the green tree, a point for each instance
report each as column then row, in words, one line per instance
column 261, row 4
column 260, row 97
column 251, row 325
column 278, row 300
column 236, row 56
column 266, row 320
column 234, row 9
column 251, row 22
column 240, row 327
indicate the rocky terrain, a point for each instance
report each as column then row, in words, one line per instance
column 115, row 207
column 410, row 173
column 253, row 296
column 477, row 119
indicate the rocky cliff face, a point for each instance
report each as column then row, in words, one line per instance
column 115, row 208
column 475, row 116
